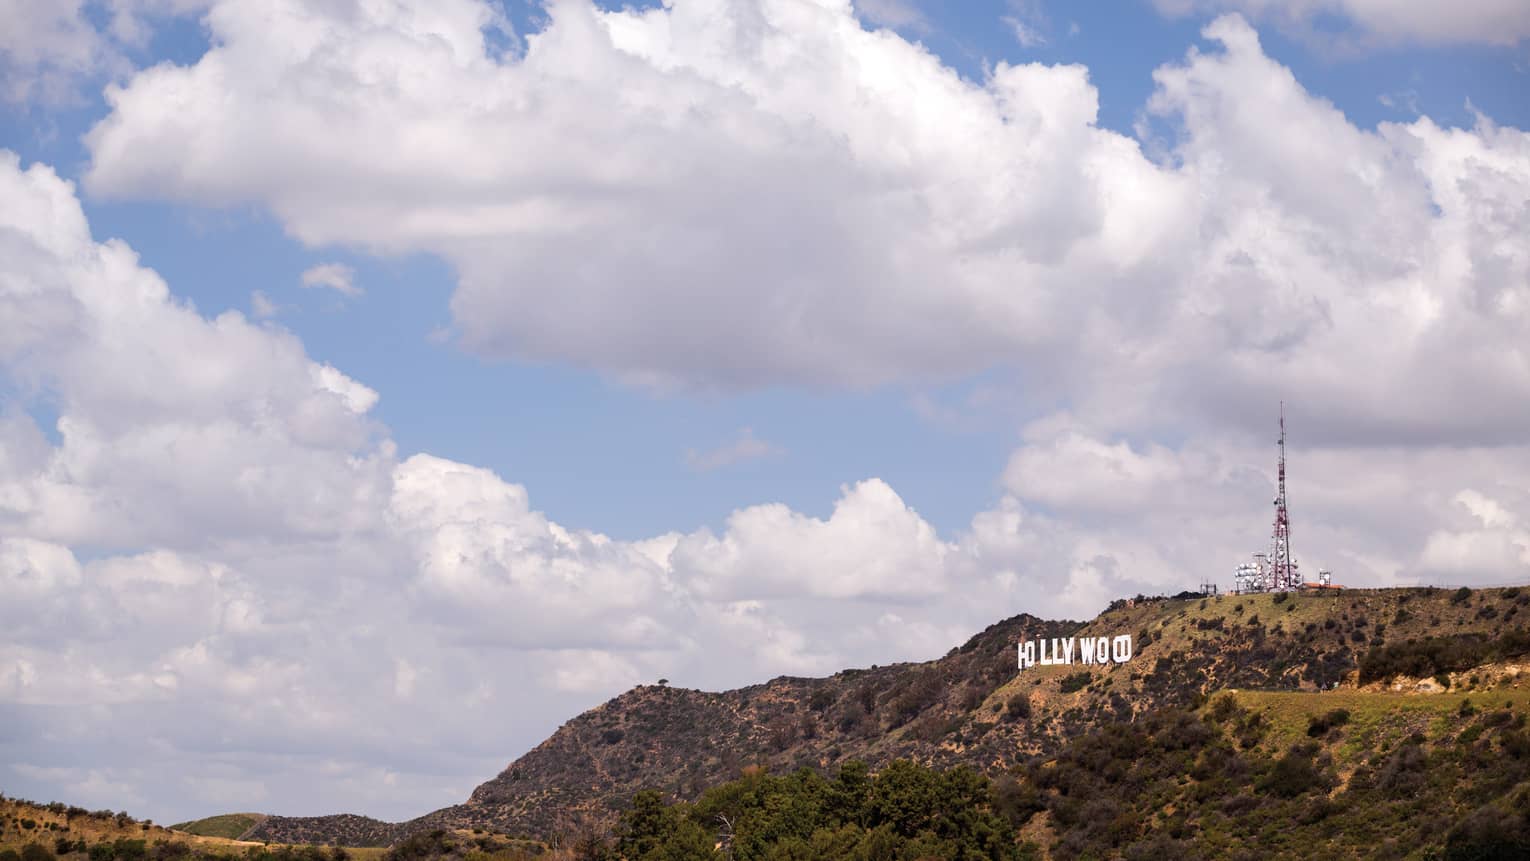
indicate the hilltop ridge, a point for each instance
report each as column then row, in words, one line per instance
column 970, row 707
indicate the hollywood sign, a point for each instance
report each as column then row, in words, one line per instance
column 1066, row 651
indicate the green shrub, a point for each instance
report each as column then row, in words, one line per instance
column 1490, row 832
column 821, row 699
column 1075, row 682
column 1224, row 707
column 1018, row 708
column 166, row 850
column 1497, row 717
column 1320, row 724
column 1292, row 775
column 36, row 852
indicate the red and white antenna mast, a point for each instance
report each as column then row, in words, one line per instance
column 1283, row 575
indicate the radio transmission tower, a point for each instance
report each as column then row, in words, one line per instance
column 1282, row 568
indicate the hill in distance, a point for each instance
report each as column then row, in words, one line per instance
column 1370, row 723
column 974, row 708
column 230, row 826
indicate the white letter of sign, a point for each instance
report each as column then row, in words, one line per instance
column 1027, row 654
column 1121, row 648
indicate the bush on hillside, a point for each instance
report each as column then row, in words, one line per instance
column 166, row 850
column 1491, row 831
column 1430, row 656
column 1075, row 682
column 1018, row 708
column 1321, row 724
column 1293, row 774
column 426, row 844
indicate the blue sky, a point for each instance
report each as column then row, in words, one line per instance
column 844, row 355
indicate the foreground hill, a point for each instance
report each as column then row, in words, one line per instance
column 972, row 707
column 1263, row 775
column 65, row 831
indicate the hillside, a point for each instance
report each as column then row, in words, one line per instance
column 67, row 831
column 1293, row 775
column 229, row 825
column 970, row 707
column 59, row 832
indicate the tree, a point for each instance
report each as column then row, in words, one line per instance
column 646, row 825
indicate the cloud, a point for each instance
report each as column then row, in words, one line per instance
column 1028, row 22
column 1495, row 22
column 746, row 446
column 44, row 47
column 896, row 14
column 873, row 546
column 252, row 439
column 334, row 276
column 50, row 51
column 938, row 226
column 825, row 157
column 261, row 305
column 1403, row 101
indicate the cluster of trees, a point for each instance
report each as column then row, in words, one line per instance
column 905, row 811
column 1435, row 656
column 441, row 844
